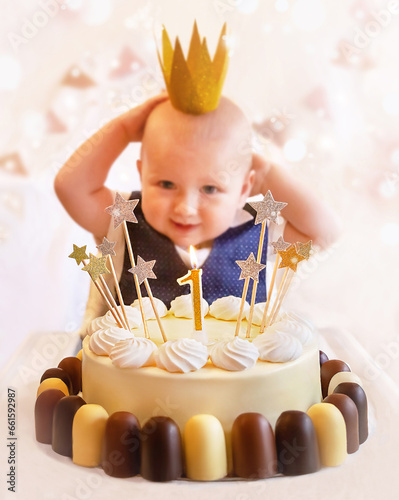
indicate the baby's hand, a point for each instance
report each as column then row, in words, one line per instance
column 134, row 120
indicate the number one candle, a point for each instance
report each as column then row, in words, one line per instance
column 194, row 278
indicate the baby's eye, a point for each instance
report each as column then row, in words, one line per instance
column 166, row 184
column 210, row 190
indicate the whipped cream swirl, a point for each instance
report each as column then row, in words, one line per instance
column 257, row 314
column 133, row 353
column 278, row 347
column 227, row 308
column 182, row 355
column 102, row 341
column 182, row 307
column 295, row 326
column 132, row 314
column 234, row 355
column 148, row 310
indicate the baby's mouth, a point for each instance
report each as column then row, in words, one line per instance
column 184, row 227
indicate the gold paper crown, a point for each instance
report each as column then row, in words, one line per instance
column 194, row 86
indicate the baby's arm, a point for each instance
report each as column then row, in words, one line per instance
column 80, row 183
column 307, row 217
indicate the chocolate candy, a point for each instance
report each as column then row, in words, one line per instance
column 330, row 430
column 52, row 383
column 122, row 445
column 323, row 357
column 340, row 377
column 88, row 434
column 296, row 442
column 205, row 448
column 58, row 373
column 253, row 447
column 161, row 450
column 358, row 396
column 64, row 413
column 349, row 411
column 44, row 409
column 328, row 370
column 73, row 366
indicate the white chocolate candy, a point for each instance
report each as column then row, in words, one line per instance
column 340, row 377
column 53, row 383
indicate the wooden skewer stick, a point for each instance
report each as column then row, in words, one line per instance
column 136, row 280
column 283, row 294
column 147, row 286
column 255, row 284
column 269, row 295
column 118, row 291
column 277, row 298
column 241, row 313
column 114, row 305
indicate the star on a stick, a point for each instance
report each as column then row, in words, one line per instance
column 267, row 209
column 79, row 254
column 279, row 245
column 290, row 258
column 143, row 269
column 96, row 267
column 122, row 210
column 107, row 247
column 250, row 268
column 304, row 249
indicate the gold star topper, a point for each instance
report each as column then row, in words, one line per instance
column 194, row 85
column 279, row 245
column 304, row 249
column 290, row 258
column 250, row 268
column 107, row 247
column 122, row 210
column 267, row 209
column 96, row 267
column 79, row 254
column 143, row 269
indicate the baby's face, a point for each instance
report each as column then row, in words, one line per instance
column 191, row 191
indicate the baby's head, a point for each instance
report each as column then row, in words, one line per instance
column 195, row 171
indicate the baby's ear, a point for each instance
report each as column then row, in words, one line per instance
column 247, row 186
column 139, row 164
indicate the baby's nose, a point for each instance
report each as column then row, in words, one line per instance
column 186, row 205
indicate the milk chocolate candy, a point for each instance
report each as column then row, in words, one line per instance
column 341, row 377
column 121, row 457
column 88, row 431
column 52, row 383
column 58, row 373
column 358, row 396
column 296, row 442
column 161, row 450
column 349, row 411
column 73, row 366
column 64, row 413
column 253, row 447
column 205, row 448
column 330, row 430
column 328, row 370
column 323, row 357
column 44, row 409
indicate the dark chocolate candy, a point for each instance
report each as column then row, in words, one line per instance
column 351, row 416
column 358, row 396
column 161, row 450
column 73, row 366
column 328, row 370
column 58, row 373
column 253, row 447
column 296, row 442
column 121, row 454
column 64, row 413
column 44, row 410
column 323, row 357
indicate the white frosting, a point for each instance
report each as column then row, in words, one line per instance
column 100, row 323
column 182, row 355
column 182, row 307
column 234, row 355
column 227, row 308
column 148, row 310
column 133, row 353
column 294, row 326
column 133, row 316
column 257, row 314
column 278, row 346
column 102, row 341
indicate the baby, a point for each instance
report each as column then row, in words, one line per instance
column 196, row 174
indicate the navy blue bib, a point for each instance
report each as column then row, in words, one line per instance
column 220, row 276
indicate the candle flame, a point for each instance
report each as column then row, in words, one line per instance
column 193, row 257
